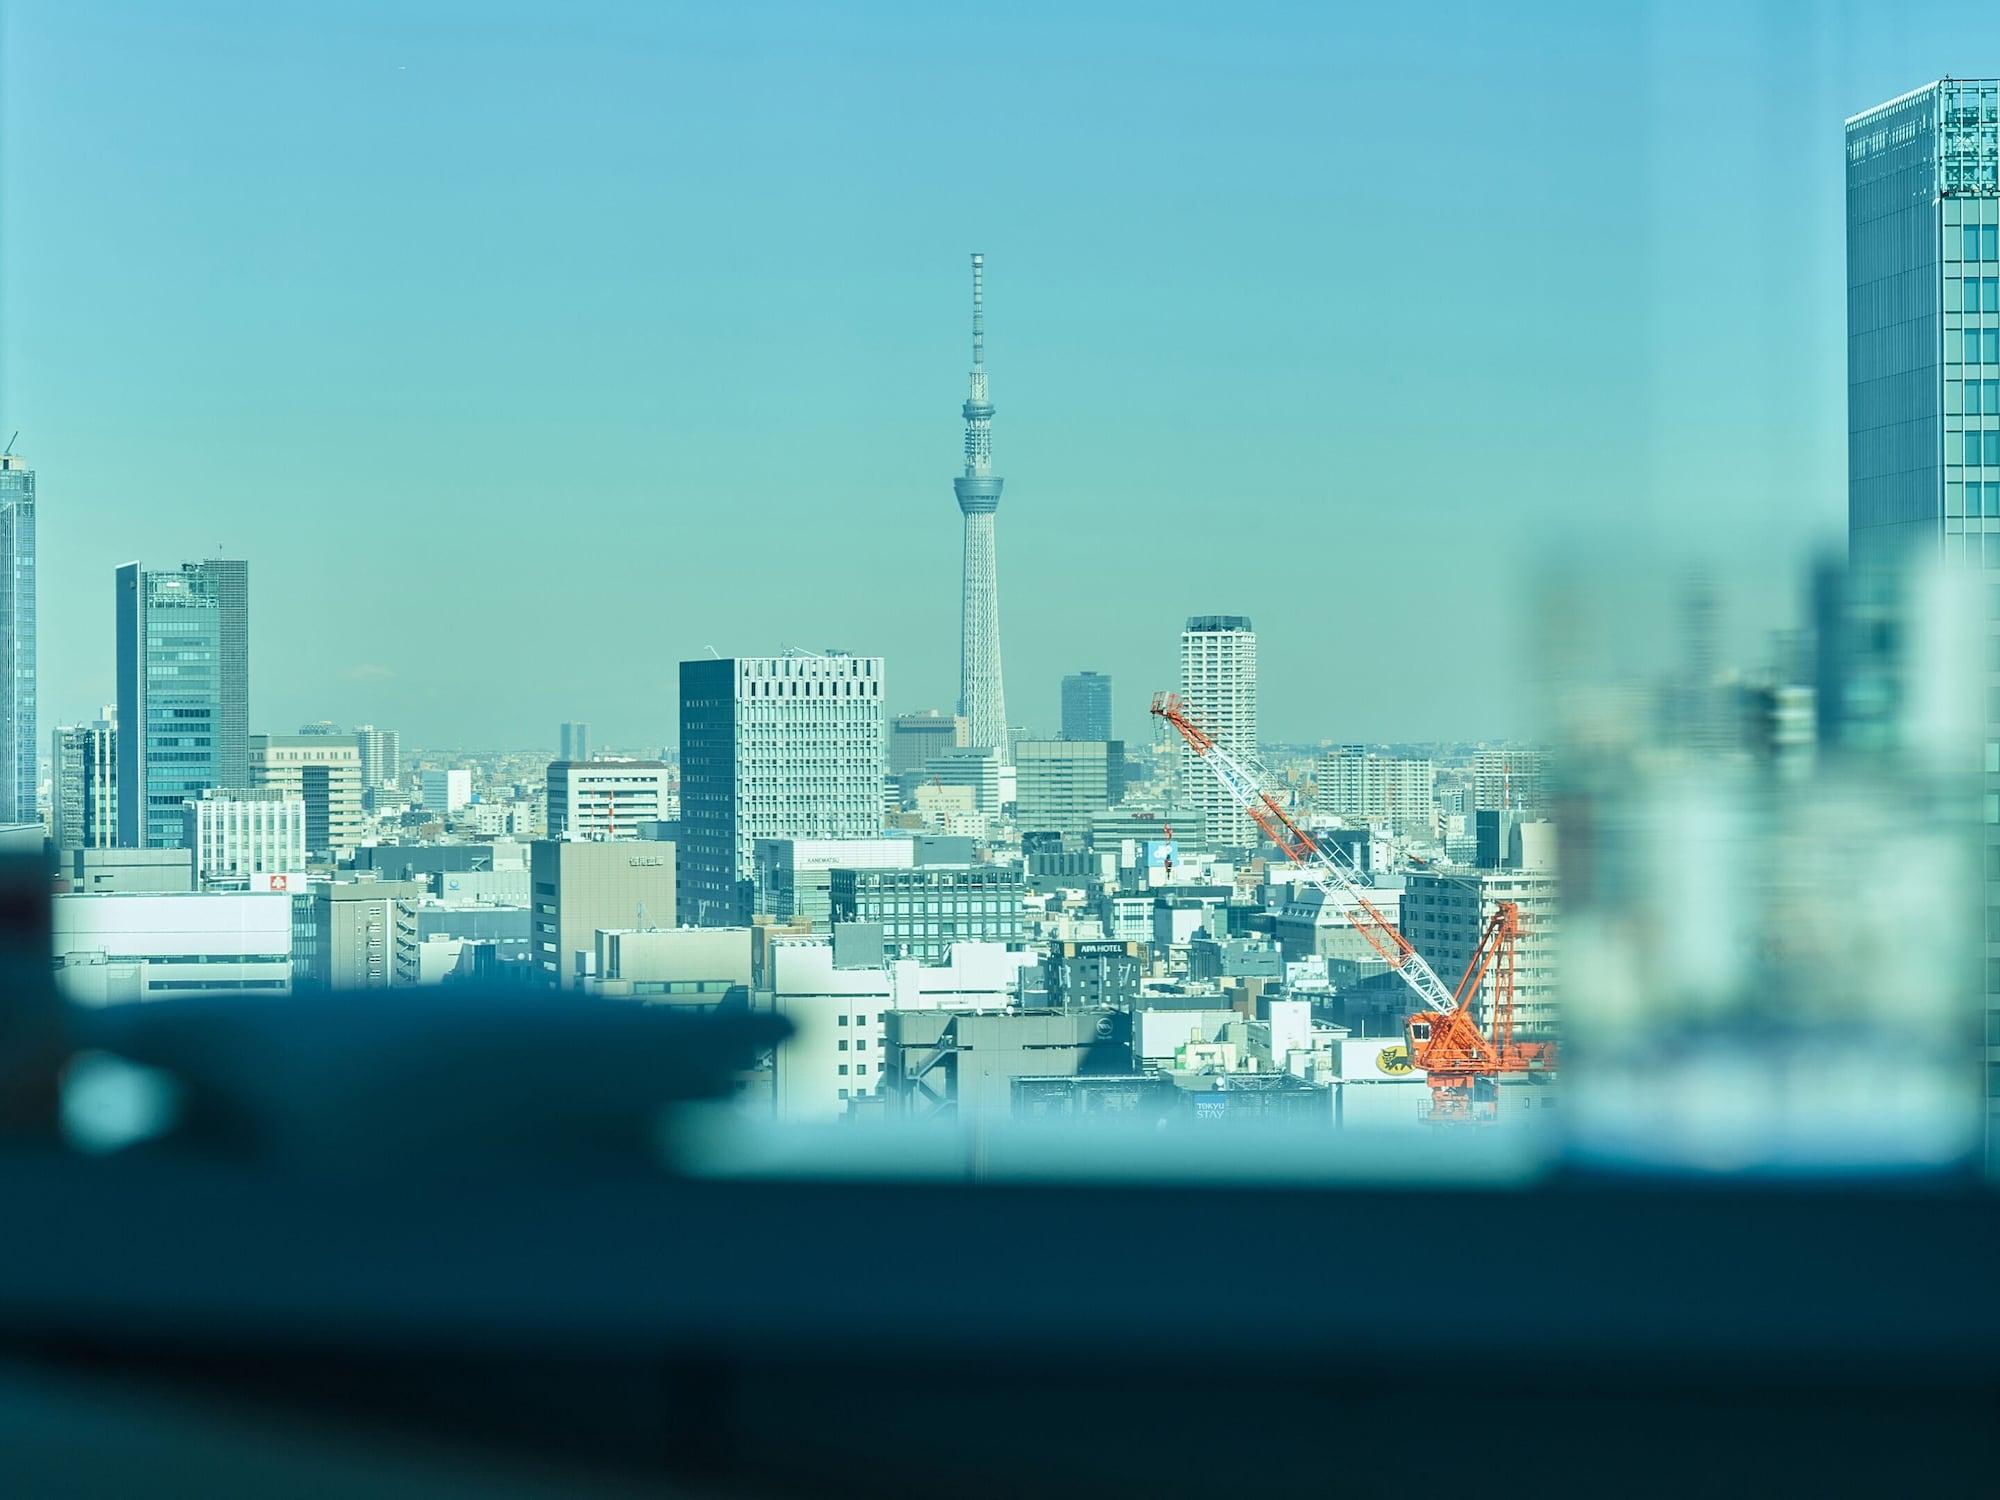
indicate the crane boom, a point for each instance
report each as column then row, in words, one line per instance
column 1327, row 870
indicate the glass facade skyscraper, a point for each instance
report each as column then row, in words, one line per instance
column 18, row 734
column 1923, row 326
column 183, row 702
column 1923, row 377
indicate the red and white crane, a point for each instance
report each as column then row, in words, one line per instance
column 1459, row 1061
column 1327, row 869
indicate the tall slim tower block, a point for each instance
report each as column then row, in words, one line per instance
column 18, row 747
column 982, row 700
column 1219, row 692
column 229, row 580
column 169, row 699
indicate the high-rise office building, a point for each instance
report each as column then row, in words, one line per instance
column 181, row 693
column 1923, row 334
column 229, row 578
column 1086, row 706
column 915, row 738
column 237, row 832
column 772, row 747
column 608, row 799
column 18, row 732
column 981, row 697
column 83, row 785
column 1923, row 377
column 323, row 771
column 581, row 886
column 575, row 740
column 1219, row 693
column 1062, row 785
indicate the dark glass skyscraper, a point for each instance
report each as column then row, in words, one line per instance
column 18, row 735
column 1086, row 706
column 1923, row 326
column 183, row 693
column 1923, row 386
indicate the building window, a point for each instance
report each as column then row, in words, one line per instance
column 843, row 1066
column 1971, row 346
column 1993, row 448
column 1972, row 398
column 1974, row 448
column 843, row 1044
column 1989, row 343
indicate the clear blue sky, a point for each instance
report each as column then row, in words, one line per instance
column 525, row 350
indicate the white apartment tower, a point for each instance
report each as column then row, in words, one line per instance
column 772, row 747
column 1219, row 693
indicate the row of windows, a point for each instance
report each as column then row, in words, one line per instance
column 1982, row 346
column 1978, row 500
column 1978, row 242
column 1982, row 294
column 1982, row 448
column 1982, row 397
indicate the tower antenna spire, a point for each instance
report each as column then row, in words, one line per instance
column 978, row 309
column 981, row 697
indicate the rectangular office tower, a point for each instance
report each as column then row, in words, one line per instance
column 1219, row 693
column 772, row 747
column 18, row 735
column 1923, row 329
column 1923, row 368
column 183, row 693
column 1086, row 706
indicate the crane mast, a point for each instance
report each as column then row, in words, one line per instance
column 1460, row 1062
column 1328, row 870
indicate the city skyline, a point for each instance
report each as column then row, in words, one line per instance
column 371, row 398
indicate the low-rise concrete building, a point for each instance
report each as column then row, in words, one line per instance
column 129, row 946
column 579, row 886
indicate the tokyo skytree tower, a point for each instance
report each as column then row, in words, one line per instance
column 981, row 697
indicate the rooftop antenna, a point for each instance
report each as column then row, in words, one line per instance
column 9, row 453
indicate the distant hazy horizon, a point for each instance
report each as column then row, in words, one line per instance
column 526, row 353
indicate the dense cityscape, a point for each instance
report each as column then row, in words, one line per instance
column 1200, row 927
column 1414, row 851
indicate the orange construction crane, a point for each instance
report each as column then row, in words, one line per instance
column 1462, row 1063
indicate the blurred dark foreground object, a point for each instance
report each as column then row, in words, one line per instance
column 411, row 1079
column 417, row 1244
